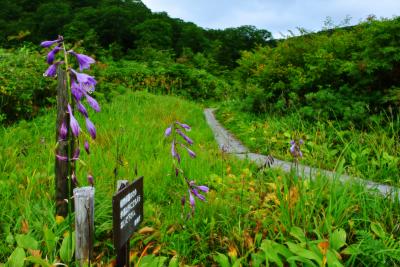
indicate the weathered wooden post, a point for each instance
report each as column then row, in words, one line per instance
column 127, row 206
column 62, row 168
column 84, row 224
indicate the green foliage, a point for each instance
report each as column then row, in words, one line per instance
column 346, row 74
column 23, row 91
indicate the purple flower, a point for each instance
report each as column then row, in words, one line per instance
column 187, row 139
column 185, row 126
column 62, row 158
column 90, row 180
column 81, row 108
column 191, row 199
column 76, row 154
column 174, row 153
column 168, row 131
column 191, row 153
column 203, row 188
column 93, row 103
column 199, row 196
column 51, row 71
column 83, row 60
column 91, row 129
column 63, row 132
column 73, row 123
column 74, row 180
column 86, row 82
column 87, row 147
column 48, row 43
column 51, row 55
column 76, row 91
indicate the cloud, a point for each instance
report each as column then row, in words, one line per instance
column 273, row 15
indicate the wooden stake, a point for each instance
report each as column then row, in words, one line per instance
column 84, row 224
column 61, row 167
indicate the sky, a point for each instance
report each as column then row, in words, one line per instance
column 276, row 16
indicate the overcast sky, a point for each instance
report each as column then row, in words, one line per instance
column 277, row 16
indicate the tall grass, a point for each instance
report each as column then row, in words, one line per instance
column 245, row 207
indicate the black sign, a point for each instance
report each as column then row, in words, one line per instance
column 127, row 211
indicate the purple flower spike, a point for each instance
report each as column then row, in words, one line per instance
column 91, row 129
column 90, row 180
column 203, row 188
column 83, row 60
column 187, row 139
column 63, row 132
column 87, row 148
column 81, row 108
column 93, row 103
column 292, row 142
column 185, row 126
column 51, row 55
column 48, row 43
column 62, row 158
column 76, row 91
column 199, row 196
column 73, row 123
column 51, row 71
column 168, row 131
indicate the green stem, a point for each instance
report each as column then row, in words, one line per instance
column 71, row 142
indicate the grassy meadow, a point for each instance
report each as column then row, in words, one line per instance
column 252, row 217
column 372, row 153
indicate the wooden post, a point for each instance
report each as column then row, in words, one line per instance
column 123, row 252
column 84, row 224
column 61, row 167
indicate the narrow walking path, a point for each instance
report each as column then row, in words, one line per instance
column 231, row 145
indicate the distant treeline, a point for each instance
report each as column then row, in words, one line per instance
column 124, row 27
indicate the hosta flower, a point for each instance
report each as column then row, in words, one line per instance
column 73, row 123
column 295, row 148
column 187, row 139
column 191, row 199
column 52, row 54
column 81, row 108
column 86, row 82
column 191, row 153
column 62, row 158
column 48, row 43
column 51, row 71
column 90, row 180
column 76, row 154
column 63, row 132
column 74, row 180
column 87, row 147
column 168, row 131
column 91, row 129
column 83, row 60
column 93, row 103
column 76, row 91
column 185, row 126
column 174, row 153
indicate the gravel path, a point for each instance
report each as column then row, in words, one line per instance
column 231, row 145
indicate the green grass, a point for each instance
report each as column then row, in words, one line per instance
column 246, row 211
column 372, row 154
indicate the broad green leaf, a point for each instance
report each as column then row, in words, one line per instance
column 298, row 233
column 50, row 239
column 270, row 253
column 26, row 241
column 173, row 262
column 66, row 250
column 257, row 258
column 222, row 260
column 378, row 230
column 292, row 260
column 17, row 258
column 37, row 260
column 332, row 259
column 152, row 261
column 237, row 263
column 338, row 239
column 305, row 253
